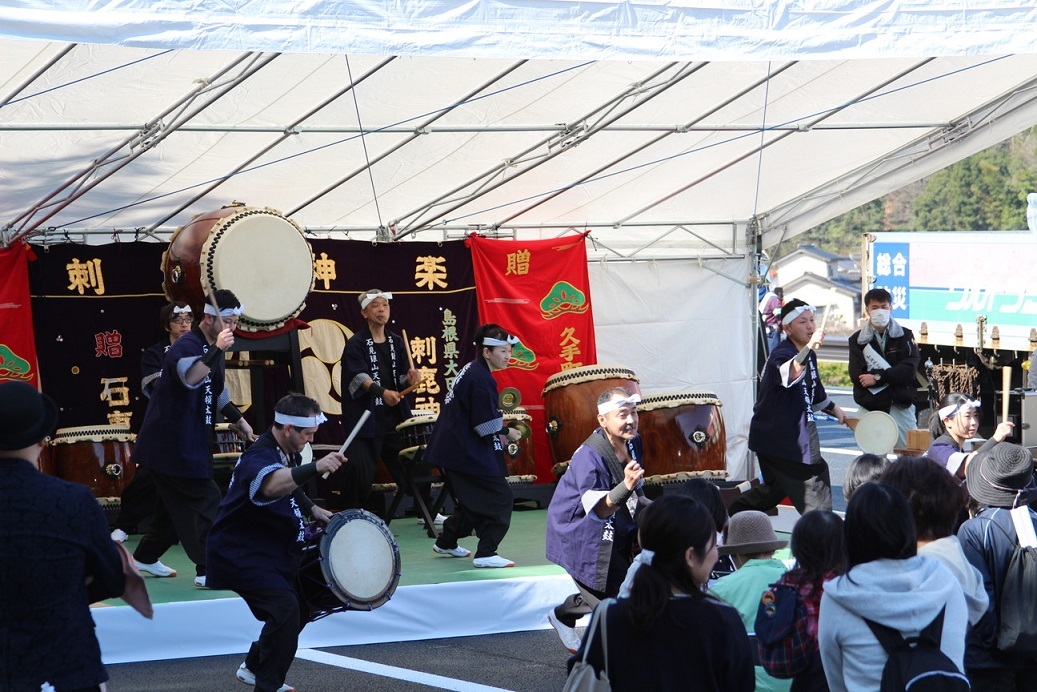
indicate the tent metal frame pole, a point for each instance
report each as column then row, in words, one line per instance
column 644, row 147
column 780, row 137
column 286, row 133
column 576, row 132
column 148, row 137
column 28, row 81
column 414, row 135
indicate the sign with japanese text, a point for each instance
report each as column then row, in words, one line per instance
column 539, row 291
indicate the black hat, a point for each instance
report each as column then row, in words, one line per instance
column 1002, row 476
column 26, row 416
column 792, row 305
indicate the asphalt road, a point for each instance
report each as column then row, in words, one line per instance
column 527, row 661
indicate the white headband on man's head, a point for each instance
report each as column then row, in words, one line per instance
column 490, row 341
column 299, row 421
column 224, row 312
column 616, row 404
column 180, row 311
column 796, row 312
column 368, row 298
column 948, row 411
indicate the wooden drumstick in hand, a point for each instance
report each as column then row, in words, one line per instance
column 406, row 344
column 356, row 428
column 1006, row 385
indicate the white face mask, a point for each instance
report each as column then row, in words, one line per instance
column 879, row 318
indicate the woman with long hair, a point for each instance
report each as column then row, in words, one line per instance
column 820, row 550
column 888, row 583
column 669, row 635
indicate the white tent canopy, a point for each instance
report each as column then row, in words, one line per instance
column 668, row 130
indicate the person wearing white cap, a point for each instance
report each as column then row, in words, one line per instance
column 374, row 370
column 57, row 558
column 782, row 431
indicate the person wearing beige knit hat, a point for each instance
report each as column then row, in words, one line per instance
column 751, row 541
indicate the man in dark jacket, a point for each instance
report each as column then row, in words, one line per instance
column 883, row 361
column 58, row 558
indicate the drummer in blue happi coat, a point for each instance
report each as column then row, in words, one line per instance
column 256, row 541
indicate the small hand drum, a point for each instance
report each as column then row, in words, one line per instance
column 876, row 433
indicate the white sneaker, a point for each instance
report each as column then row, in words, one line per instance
column 438, row 521
column 569, row 636
column 452, row 552
column 156, row 569
column 249, row 678
column 493, row 561
column 119, row 536
column 200, row 582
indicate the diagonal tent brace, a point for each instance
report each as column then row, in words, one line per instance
column 530, row 158
column 207, row 92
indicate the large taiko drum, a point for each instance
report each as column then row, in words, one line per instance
column 683, row 432
column 97, row 456
column 519, row 455
column 571, row 404
column 257, row 253
column 353, row 564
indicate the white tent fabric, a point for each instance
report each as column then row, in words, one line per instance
column 682, row 129
column 555, row 29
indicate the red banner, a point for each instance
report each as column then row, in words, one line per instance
column 539, row 291
column 17, row 347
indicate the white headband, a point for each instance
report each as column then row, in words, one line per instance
column 616, row 404
column 490, row 341
column 948, row 411
column 796, row 312
column 180, row 311
column 225, row 312
column 368, row 298
column 299, row 421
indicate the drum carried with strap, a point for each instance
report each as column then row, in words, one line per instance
column 257, row 253
column 571, row 404
column 352, row 564
column 97, row 456
column 683, row 432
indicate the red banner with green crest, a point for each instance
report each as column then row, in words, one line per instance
column 539, row 291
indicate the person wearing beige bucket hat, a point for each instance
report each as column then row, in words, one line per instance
column 751, row 541
column 58, row 557
column 1001, row 481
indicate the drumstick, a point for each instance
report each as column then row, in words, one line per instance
column 406, row 343
column 411, row 388
column 219, row 318
column 356, row 428
column 1006, row 383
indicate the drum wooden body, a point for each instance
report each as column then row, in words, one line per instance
column 417, row 430
column 682, row 431
column 257, row 253
column 519, row 455
column 96, row 456
column 352, row 564
column 571, row 404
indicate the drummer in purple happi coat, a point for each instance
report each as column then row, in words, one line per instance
column 590, row 521
column 256, row 541
column 374, row 370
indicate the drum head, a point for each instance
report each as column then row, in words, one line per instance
column 264, row 259
column 876, row 433
column 361, row 560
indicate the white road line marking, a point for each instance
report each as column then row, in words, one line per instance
column 394, row 672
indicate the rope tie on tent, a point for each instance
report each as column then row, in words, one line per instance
column 363, row 141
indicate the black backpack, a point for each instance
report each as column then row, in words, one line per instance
column 1017, row 633
column 917, row 663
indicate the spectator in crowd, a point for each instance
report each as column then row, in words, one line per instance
column 888, row 583
column 820, row 550
column 863, row 469
column 669, row 635
column 751, row 541
column 1000, row 481
column 937, row 500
